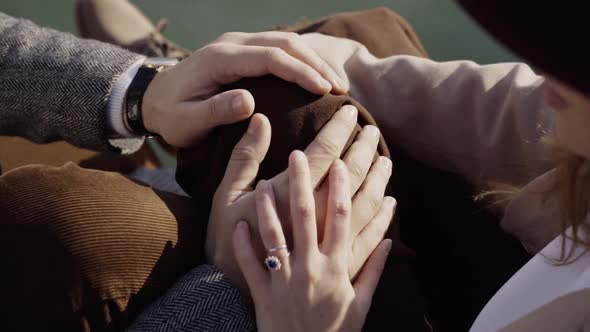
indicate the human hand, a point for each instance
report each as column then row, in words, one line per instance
column 182, row 103
column 308, row 289
column 234, row 199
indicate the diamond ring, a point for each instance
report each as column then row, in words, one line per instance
column 273, row 263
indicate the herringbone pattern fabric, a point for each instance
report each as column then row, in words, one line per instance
column 201, row 301
column 55, row 86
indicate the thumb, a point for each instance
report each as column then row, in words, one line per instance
column 367, row 281
column 245, row 159
column 226, row 108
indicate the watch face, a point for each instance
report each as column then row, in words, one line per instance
column 156, row 62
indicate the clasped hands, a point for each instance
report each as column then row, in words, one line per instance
column 184, row 103
column 331, row 215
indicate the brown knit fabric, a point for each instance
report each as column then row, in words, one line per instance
column 296, row 116
column 381, row 30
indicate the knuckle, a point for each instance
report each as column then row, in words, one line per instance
column 291, row 41
column 329, row 147
column 291, row 35
column 229, row 36
column 214, row 53
column 244, row 153
column 274, row 54
column 213, row 110
column 342, row 209
column 355, row 169
column 213, row 49
column 339, row 264
column 304, row 210
column 305, row 275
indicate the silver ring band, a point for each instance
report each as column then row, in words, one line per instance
column 275, row 249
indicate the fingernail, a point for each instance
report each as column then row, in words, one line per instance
column 386, row 162
column 351, row 111
column 254, row 126
column 342, row 83
column 296, row 156
column 339, row 165
column 338, row 82
column 237, row 104
column 325, row 84
column 391, row 202
column 373, row 131
column 242, row 226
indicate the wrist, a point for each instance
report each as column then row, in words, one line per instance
column 150, row 114
column 140, row 113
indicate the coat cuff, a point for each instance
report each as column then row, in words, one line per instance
column 115, row 122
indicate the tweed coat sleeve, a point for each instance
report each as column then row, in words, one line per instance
column 55, row 86
column 201, row 301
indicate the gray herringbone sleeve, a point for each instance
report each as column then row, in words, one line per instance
column 55, row 86
column 201, row 301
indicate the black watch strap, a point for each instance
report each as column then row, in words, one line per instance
column 133, row 101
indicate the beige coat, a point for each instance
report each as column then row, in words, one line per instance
column 485, row 123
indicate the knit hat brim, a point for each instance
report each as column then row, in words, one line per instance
column 550, row 35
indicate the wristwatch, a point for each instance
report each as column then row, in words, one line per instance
column 133, row 100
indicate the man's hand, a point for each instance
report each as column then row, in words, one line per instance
column 235, row 199
column 182, row 104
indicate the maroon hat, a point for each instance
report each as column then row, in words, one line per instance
column 553, row 36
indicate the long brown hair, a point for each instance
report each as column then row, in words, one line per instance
column 571, row 188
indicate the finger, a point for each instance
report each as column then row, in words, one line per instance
column 368, row 279
column 330, row 142
column 338, row 211
column 256, row 278
column 269, row 224
column 238, row 61
column 291, row 43
column 359, row 156
column 369, row 198
column 302, row 207
column 225, row 108
column 373, row 233
column 245, row 159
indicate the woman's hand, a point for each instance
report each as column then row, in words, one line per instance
column 235, row 199
column 307, row 288
column 182, row 104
